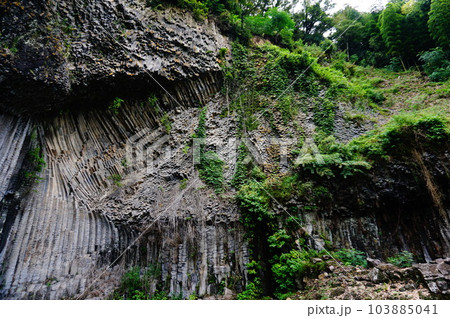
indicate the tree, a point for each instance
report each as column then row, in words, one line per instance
column 391, row 26
column 284, row 5
column 312, row 21
column 349, row 33
column 275, row 23
column 439, row 22
column 416, row 37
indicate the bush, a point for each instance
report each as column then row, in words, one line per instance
column 37, row 163
column 402, row 134
column 136, row 286
column 253, row 291
column 116, row 178
column 115, row 105
column 436, row 65
column 131, row 282
column 254, row 203
column 403, row 259
column 165, row 122
column 279, row 239
column 351, row 257
column 291, row 267
column 331, row 158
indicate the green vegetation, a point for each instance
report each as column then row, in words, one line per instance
column 403, row 134
column 439, row 22
column 291, row 267
column 115, row 105
column 331, row 158
column 116, row 178
column 253, row 291
column 351, row 257
column 284, row 65
column 37, row 163
column 210, row 166
column 183, row 184
column 403, row 259
column 152, row 101
column 165, row 122
column 211, row 170
column 257, row 194
column 137, row 284
column 242, row 167
column 436, row 64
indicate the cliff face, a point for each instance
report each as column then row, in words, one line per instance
column 81, row 53
column 119, row 187
column 62, row 226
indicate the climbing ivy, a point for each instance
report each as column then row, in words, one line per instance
column 210, row 166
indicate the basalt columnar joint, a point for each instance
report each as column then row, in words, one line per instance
column 86, row 52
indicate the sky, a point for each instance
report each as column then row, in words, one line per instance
column 360, row 5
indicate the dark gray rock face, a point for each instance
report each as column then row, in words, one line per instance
column 80, row 53
column 388, row 211
column 61, row 233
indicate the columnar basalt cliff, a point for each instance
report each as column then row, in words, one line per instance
column 60, row 227
column 99, row 102
column 57, row 54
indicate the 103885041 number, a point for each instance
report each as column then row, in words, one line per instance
column 403, row 309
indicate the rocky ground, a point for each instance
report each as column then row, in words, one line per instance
column 381, row 282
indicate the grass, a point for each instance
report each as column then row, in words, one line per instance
column 116, row 178
column 166, row 123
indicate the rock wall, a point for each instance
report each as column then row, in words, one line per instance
column 389, row 210
column 84, row 53
column 89, row 205
column 79, row 218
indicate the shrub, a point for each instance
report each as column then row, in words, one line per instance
column 279, row 239
column 136, row 286
column 351, row 257
column 165, row 122
column 253, row 291
column 289, row 270
column 131, row 282
column 115, row 105
column 116, row 178
column 403, row 259
column 436, row 65
column 254, row 203
column 402, row 134
column 331, row 158
column 375, row 95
